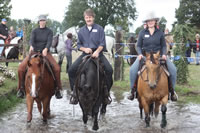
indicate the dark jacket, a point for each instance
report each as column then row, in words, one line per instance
column 91, row 39
column 151, row 43
column 3, row 30
column 41, row 38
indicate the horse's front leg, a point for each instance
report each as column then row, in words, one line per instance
column 45, row 103
column 95, row 125
column 164, row 110
column 39, row 105
column 146, row 110
column 29, row 102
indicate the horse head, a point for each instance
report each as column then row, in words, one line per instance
column 153, row 68
column 88, row 84
column 34, row 74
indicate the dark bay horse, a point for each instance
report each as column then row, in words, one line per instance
column 153, row 88
column 39, row 85
column 90, row 85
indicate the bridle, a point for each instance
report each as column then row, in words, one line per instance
column 41, row 69
column 158, row 72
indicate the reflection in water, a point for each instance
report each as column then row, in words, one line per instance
column 121, row 117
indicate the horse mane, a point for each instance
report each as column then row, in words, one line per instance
column 152, row 58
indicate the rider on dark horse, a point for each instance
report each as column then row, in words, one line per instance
column 91, row 40
column 41, row 40
column 151, row 39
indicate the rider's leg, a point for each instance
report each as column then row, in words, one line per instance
column 133, row 76
column 56, row 69
column 21, row 77
column 72, row 71
column 109, row 80
column 172, row 70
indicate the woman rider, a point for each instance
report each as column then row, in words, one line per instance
column 151, row 39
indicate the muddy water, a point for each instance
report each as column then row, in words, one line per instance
column 121, row 117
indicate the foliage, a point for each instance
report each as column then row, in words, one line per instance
column 5, row 8
column 112, row 12
column 162, row 24
column 189, row 12
column 139, row 29
column 181, row 34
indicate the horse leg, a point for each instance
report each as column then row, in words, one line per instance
column 60, row 60
column 39, row 106
column 146, row 110
column 151, row 107
column 164, row 110
column 95, row 125
column 29, row 102
column 156, row 109
column 85, row 118
column 103, row 109
column 140, row 107
column 45, row 106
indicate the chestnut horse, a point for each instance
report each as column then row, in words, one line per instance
column 153, row 88
column 39, row 85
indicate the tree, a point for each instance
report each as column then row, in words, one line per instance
column 55, row 26
column 189, row 12
column 107, row 12
column 182, row 33
column 139, row 29
column 162, row 23
column 5, row 8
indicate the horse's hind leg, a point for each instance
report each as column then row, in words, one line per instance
column 156, row 109
column 39, row 106
column 151, row 107
column 103, row 109
column 95, row 125
column 140, row 107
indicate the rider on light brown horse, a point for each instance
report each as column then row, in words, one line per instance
column 152, row 39
column 41, row 40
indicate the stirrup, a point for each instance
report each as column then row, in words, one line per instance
column 73, row 100
column 20, row 94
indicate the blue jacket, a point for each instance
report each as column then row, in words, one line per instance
column 91, row 39
column 151, row 43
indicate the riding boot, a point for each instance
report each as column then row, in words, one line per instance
column 21, row 85
column 74, row 99
column 132, row 95
column 107, row 98
column 174, row 96
column 58, row 94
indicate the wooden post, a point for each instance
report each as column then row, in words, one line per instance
column 132, row 47
column 26, row 23
column 118, row 64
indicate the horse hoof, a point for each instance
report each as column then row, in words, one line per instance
column 163, row 124
column 45, row 120
column 95, row 128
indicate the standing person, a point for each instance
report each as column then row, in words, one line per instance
column 12, row 33
column 152, row 39
column 188, row 49
column 91, row 40
column 68, row 44
column 19, row 33
column 3, row 33
column 41, row 40
column 196, row 48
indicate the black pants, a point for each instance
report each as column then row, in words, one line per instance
column 74, row 68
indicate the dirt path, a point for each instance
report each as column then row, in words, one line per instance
column 121, row 117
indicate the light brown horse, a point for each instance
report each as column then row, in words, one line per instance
column 153, row 88
column 39, row 85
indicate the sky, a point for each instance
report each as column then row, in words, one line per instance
column 31, row 9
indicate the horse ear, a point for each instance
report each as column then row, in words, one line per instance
column 147, row 54
column 158, row 54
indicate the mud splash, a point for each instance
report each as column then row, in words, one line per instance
column 121, row 117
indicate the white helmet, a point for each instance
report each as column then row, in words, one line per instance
column 151, row 16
